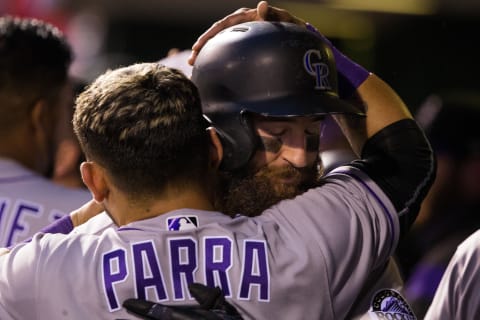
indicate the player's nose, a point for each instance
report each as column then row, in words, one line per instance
column 296, row 155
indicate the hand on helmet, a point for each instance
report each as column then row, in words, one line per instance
column 263, row 12
column 212, row 306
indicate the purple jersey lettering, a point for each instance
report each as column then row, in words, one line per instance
column 22, row 219
column 18, row 226
column 183, row 259
column 255, row 271
column 150, row 281
column 115, row 271
column 4, row 203
column 147, row 271
column 218, row 260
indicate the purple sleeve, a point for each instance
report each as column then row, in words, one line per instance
column 63, row 225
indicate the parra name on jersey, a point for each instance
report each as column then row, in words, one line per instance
column 150, row 276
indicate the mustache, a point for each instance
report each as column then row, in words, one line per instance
column 299, row 176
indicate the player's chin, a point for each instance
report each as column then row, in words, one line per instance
column 287, row 186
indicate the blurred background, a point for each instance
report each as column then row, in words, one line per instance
column 418, row 46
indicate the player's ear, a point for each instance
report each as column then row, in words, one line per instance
column 43, row 119
column 38, row 122
column 37, row 114
column 216, row 148
column 94, row 178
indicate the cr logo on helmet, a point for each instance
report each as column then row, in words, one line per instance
column 318, row 69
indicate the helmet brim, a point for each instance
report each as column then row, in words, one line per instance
column 293, row 105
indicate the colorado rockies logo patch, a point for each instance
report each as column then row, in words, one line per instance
column 313, row 65
column 389, row 304
column 182, row 223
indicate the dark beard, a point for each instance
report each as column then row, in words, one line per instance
column 250, row 194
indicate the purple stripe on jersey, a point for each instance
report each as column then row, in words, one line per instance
column 392, row 229
column 128, row 228
column 17, row 179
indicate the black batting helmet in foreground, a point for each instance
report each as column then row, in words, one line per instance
column 268, row 68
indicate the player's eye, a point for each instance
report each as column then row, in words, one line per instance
column 276, row 132
column 270, row 129
column 269, row 144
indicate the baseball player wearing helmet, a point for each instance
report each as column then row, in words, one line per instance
column 255, row 186
column 151, row 163
column 34, row 86
column 212, row 79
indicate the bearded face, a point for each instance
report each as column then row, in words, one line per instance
column 285, row 164
column 250, row 194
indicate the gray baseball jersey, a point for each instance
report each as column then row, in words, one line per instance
column 29, row 202
column 306, row 258
column 457, row 296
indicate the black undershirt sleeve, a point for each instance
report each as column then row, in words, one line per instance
column 400, row 160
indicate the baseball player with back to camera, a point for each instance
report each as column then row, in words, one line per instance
column 242, row 255
column 350, row 76
column 34, row 88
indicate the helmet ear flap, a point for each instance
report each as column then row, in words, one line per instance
column 239, row 143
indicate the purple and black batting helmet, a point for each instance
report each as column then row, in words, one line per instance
column 268, row 68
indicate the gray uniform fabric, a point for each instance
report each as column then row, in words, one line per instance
column 29, row 202
column 306, row 258
column 457, row 294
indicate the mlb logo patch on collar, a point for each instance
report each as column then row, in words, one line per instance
column 178, row 223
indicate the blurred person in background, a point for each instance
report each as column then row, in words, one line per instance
column 450, row 212
column 34, row 87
